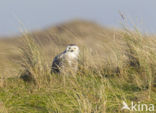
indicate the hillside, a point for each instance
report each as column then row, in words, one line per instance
column 114, row 66
column 83, row 33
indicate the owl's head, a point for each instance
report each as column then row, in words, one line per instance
column 72, row 48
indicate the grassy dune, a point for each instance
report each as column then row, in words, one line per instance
column 115, row 66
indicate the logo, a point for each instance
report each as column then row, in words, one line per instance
column 137, row 106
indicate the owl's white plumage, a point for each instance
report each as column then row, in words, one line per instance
column 67, row 60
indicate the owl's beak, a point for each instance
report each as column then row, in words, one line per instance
column 72, row 51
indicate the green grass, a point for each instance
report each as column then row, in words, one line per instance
column 85, row 93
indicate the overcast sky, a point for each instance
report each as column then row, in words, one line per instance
column 37, row 14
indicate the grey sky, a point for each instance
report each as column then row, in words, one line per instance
column 37, row 14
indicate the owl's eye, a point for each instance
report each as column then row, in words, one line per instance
column 69, row 48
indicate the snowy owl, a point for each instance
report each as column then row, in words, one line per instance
column 66, row 61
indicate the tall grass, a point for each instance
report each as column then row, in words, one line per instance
column 100, row 86
column 34, row 64
column 142, row 60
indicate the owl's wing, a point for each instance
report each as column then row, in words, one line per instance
column 57, row 62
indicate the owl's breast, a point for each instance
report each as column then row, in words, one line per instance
column 71, row 56
column 70, row 59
